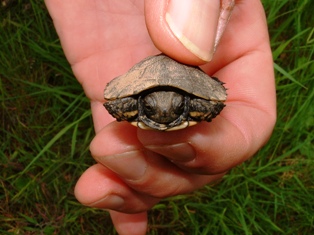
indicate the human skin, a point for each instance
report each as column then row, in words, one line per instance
column 135, row 168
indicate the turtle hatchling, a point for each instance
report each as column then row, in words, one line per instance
column 162, row 94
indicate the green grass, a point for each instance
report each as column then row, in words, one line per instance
column 46, row 128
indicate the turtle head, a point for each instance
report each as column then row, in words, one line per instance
column 163, row 106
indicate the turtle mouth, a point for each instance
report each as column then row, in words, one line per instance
column 164, row 117
column 164, row 120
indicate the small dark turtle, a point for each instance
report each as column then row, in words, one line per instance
column 161, row 94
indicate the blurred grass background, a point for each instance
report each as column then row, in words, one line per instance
column 46, row 129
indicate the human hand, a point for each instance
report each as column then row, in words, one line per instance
column 137, row 168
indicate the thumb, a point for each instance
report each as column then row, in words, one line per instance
column 184, row 29
column 131, row 224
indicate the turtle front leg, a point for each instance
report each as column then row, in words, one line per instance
column 124, row 109
column 204, row 110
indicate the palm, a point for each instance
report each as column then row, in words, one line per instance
column 101, row 41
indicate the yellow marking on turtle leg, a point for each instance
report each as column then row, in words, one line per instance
column 130, row 114
column 196, row 114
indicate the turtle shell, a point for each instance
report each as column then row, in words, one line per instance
column 162, row 71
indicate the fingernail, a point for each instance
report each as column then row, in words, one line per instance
column 194, row 23
column 225, row 14
column 109, row 202
column 129, row 165
column 182, row 152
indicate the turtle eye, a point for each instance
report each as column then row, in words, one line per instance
column 149, row 110
column 149, row 104
column 178, row 104
column 179, row 108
